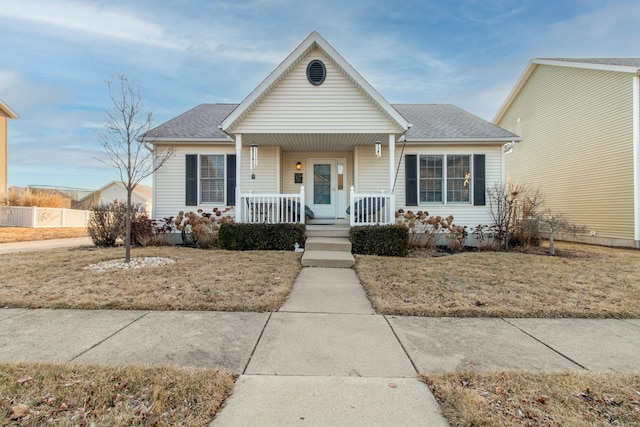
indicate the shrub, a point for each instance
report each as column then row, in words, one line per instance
column 515, row 209
column 428, row 231
column 201, row 228
column 150, row 232
column 106, row 223
column 269, row 237
column 487, row 237
column 383, row 240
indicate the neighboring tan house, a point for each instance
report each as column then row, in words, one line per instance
column 116, row 192
column 6, row 113
column 579, row 120
column 316, row 122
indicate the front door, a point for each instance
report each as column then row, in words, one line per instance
column 327, row 195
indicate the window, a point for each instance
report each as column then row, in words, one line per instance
column 212, row 179
column 436, row 180
column 458, row 179
column 431, row 180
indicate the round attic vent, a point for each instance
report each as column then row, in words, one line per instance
column 316, row 72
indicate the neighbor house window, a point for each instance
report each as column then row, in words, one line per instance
column 436, row 180
column 212, row 179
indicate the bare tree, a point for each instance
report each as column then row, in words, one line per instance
column 558, row 223
column 134, row 158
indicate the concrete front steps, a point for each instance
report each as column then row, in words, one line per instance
column 328, row 246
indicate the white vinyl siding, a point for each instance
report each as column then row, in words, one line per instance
column 372, row 173
column 296, row 106
column 265, row 177
column 169, row 188
column 463, row 213
column 577, row 149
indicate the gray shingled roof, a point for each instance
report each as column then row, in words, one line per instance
column 199, row 122
column 430, row 122
column 626, row 62
column 446, row 121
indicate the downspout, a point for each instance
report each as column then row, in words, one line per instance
column 404, row 143
column 636, row 158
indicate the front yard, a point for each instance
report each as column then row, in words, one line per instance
column 583, row 281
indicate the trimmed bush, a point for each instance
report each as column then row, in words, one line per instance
column 266, row 237
column 382, row 240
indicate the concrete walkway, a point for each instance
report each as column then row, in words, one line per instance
column 6, row 248
column 325, row 358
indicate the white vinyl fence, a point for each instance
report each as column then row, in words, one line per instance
column 18, row 216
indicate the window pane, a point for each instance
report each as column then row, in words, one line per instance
column 458, row 178
column 322, row 184
column 431, row 179
column 212, row 179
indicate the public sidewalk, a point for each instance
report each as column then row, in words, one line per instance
column 35, row 245
column 325, row 358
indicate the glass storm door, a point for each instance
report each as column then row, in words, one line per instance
column 321, row 197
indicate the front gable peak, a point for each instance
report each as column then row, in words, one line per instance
column 319, row 65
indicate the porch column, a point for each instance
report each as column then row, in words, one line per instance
column 238, row 177
column 392, row 161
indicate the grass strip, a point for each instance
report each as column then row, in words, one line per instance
column 83, row 395
column 517, row 399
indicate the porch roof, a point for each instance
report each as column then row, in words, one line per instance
column 431, row 123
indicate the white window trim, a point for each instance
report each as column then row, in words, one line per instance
column 224, row 180
column 445, row 200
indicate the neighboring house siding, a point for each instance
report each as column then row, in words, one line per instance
column 3, row 152
column 464, row 214
column 577, row 132
column 296, row 106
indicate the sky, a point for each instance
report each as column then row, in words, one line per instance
column 57, row 56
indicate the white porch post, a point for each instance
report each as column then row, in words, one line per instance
column 392, row 161
column 239, row 212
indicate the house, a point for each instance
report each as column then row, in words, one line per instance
column 316, row 133
column 115, row 191
column 579, row 120
column 6, row 113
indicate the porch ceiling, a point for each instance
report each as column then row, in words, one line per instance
column 314, row 141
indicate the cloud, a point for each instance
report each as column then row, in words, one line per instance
column 606, row 30
column 93, row 19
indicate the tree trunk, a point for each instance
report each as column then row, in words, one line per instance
column 552, row 251
column 127, row 230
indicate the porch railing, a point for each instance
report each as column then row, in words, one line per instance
column 272, row 208
column 371, row 208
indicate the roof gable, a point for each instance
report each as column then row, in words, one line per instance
column 313, row 42
column 8, row 112
column 624, row 65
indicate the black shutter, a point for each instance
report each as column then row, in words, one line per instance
column 191, row 180
column 479, row 180
column 411, row 179
column 231, row 179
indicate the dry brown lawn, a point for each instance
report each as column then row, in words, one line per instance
column 83, row 395
column 198, row 280
column 23, row 234
column 516, row 399
column 584, row 281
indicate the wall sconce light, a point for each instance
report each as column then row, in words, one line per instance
column 298, row 166
column 378, row 149
column 253, row 156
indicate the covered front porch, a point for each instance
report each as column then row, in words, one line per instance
column 294, row 178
